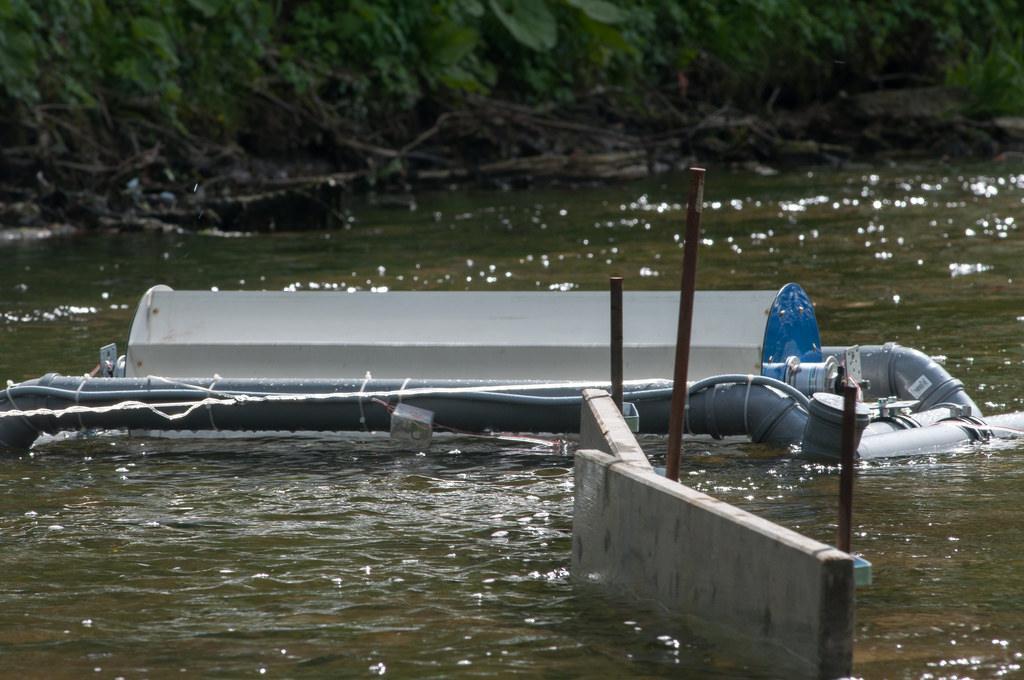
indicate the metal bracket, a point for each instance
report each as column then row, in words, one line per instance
column 412, row 426
column 632, row 416
column 108, row 360
column 852, row 364
column 892, row 406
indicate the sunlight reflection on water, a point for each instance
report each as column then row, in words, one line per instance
column 217, row 557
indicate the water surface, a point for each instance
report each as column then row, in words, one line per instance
column 325, row 557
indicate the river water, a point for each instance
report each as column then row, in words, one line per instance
column 338, row 557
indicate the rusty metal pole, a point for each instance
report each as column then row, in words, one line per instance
column 849, row 444
column 689, row 283
column 616, row 340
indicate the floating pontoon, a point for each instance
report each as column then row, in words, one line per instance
column 412, row 362
column 546, row 336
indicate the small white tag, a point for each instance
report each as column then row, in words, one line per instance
column 920, row 386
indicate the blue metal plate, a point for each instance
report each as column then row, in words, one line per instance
column 792, row 330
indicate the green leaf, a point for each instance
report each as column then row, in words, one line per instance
column 171, row 93
column 153, row 32
column 686, row 56
column 473, row 8
column 74, row 90
column 599, row 10
column 609, row 37
column 529, row 21
column 452, row 43
column 205, row 7
column 457, row 78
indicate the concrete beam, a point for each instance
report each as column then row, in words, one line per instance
column 604, row 429
column 637, row 533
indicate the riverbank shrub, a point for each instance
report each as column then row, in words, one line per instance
column 387, row 67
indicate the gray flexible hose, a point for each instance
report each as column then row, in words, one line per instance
column 740, row 379
column 442, row 392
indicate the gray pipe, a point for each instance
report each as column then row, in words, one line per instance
column 1007, row 424
column 747, row 408
column 907, row 373
column 530, row 407
column 745, row 379
column 942, row 436
column 750, row 408
column 939, row 429
column 823, row 432
column 720, row 406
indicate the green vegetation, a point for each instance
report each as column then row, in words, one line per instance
column 993, row 76
column 379, row 72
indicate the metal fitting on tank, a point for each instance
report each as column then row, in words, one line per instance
column 812, row 377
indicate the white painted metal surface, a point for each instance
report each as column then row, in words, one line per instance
column 501, row 335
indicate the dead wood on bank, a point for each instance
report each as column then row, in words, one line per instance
column 297, row 171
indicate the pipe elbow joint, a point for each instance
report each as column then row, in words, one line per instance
column 779, row 422
column 757, row 411
column 915, row 375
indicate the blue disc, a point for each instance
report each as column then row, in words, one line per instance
column 791, row 331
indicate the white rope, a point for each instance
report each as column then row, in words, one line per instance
column 209, row 409
column 78, row 393
column 746, row 400
column 576, row 384
column 362, row 413
column 190, row 386
column 653, row 383
column 16, row 411
column 189, row 406
column 223, row 398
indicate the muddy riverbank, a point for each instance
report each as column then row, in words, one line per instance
column 291, row 173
